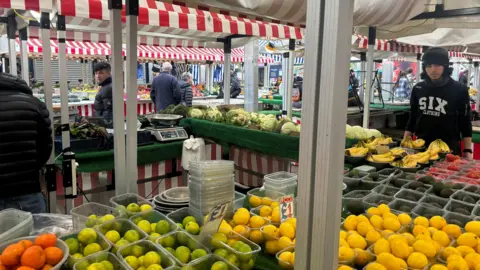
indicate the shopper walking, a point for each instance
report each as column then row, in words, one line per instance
column 165, row 89
column 402, row 88
column 25, row 145
column 440, row 106
column 103, row 100
column 186, row 93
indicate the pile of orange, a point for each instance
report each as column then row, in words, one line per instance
column 42, row 254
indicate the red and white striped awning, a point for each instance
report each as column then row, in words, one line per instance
column 388, row 45
column 166, row 18
column 35, row 5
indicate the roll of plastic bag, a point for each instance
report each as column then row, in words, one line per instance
column 193, row 150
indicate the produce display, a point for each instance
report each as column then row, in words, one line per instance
column 84, row 243
column 360, row 133
column 183, row 247
column 145, row 255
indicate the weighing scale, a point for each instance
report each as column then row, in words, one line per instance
column 164, row 127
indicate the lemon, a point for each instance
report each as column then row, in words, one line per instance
column 472, row 260
column 145, row 207
column 404, row 219
column 373, row 211
column 364, row 227
column 386, row 233
column 293, row 222
column 242, row 230
column 113, row 236
column 465, row 250
column 350, row 223
column 425, row 247
column 362, row 218
column 284, row 242
column 394, row 237
column 381, row 246
column 255, row 201
column 438, row 267
column 373, row 236
column 345, row 254
column 422, row 221
column 275, row 215
column 150, row 258
column 383, row 208
column 467, row 239
column 271, row 247
column 375, row 266
column 284, row 259
column 256, row 222
column 403, row 265
column 388, row 260
column 270, row 232
column 344, row 267
column 417, row 260
column 418, row 229
column 343, row 235
column 286, row 229
column 473, row 227
column 267, row 201
column 458, row 264
column 400, row 248
column 432, row 230
column 256, row 236
column 274, row 204
column 343, row 243
column 363, row 257
column 376, row 221
column 391, row 224
column 424, row 236
column 225, row 228
column 438, row 247
column 442, row 238
column 448, row 251
column 265, row 211
column 91, row 248
column 438, row 222
column 87, row 236
column 452, row 230
column 219, row 238
column 389, row 215
column 145, row 226
column 241, row 217
column 454, row 258
column 356, row 241
column 410, row 238
column 132, row 262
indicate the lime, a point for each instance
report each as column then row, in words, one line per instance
column 132, row 236
column 218, row 239
column 72, row 260
column 198, row 253
column 153, row 237
column 137, row 251
column 96, row 266
column 72, row 244
column 107, row 217
column 192, row 244
column 113, row 236
column 247, row 265
column 182, row 238
column 180, row 225
column 168, row 241
column 162, row 227
column 142, row 268
column 87, row 236
column 136, row 220
column 91, row 221
column 145, row 226
column 182, row 253
column 150, row 258
column 188, row 219
column 192, row 228
column 232, row 258
column 91, row 248
column 153, row 226
column 141, row 260
column 171, row 250
column 133, row 207
column 145, row 207
column 133, row 262
column 108, row 265
column 219, row 266
column 82, row 265
column 120, row 244
column 154, row 267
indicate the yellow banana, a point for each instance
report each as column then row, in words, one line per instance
column 383, row 159
column 418, row 143
column 385, row 141
column 397, row 151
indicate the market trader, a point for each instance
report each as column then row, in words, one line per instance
column 25, row 145
column 103, row 100
column 440, row 106
column 165, row 89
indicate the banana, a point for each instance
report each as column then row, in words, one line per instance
column 397, row 151
column 384, row 158
column 386, row 140
column 445, row 148
column 418, row 143
column 356, row 151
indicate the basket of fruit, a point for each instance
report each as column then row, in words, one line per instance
column 131, row 204
column 102, row 260
column 380, row 161
column 145, row 254
column 182, row 247
column 34, row 252
column 355, row 155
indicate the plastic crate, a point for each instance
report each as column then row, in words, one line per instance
column 101, row 240
column 397, row 205
column 238, row 201
column 81, row 145
column 14, row 224
column 280, row 178
column 80, row 215
column 126, row 199
column 275, row 196
column 410, row 185
column 409, row 195
column 60, row 244
column 460, row 194
column 100, row 257
column 386, row 190
column 182, row 238
column 428, row 212
column 455, row 206
column 357, row 194
column 289, row 190
column 434, row 201
column 354, row 181
column 206, row 262
column 284, row 264
column 454, row 218
column 375, row 199
column 121, row 226
column 178, row 216
column 153, row 216
column 166, row 260
column 388, row 171
column 242, row 256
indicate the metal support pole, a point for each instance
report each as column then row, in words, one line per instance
column 285, row 82
column 470, row 71
column 477, row 84
column 207, row 76
column 251, row 76
column 11, row 33
column 369, row 94
column 419, row 67
column 266, row 81
column 289, row 89
column 324, row 115
column 24, row 54
column 361, row 88
column 131, row 85
column 227, row 50
column 115, row 7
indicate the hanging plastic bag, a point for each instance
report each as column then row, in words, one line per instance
column 193, row 150
column 52, row 223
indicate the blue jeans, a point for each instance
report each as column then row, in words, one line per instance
column 34, row 203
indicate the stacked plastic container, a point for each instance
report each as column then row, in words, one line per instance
column 280, row 182
column 210, row 183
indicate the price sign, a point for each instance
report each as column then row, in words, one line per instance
column 382, row 149
column 286, row 207
column 213, row 221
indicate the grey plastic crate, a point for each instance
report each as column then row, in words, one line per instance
column 14, row 224
column 238, row 201
column 388, row 171
column 357, row 194
column 80, row 214
column 409, row 176
column 476, row 211
column 178, row 216
column 410, row 186
column 398, row 183
column 373, row 183
column 460, row 197
column 398, row 204
column 386, row 190
column 166, row 260
column 425, row 211
column 458, row 219
column 434, row 201
column 154, row 217
column 375, row 199
column 100, row 257
column 409, row 195
column 460, row 208
column 472, row 188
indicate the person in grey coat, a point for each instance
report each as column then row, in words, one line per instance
column 165, row 89
column 103, row 100
column 186, row 93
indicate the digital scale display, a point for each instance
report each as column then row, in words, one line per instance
column 169, row 134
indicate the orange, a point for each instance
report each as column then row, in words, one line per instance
column 12, row 254
column 26, row 243
column 47, row 267
column 3, row 267
column 33, row 257
column 24, row 268
column 53, row 255
column 46, row 240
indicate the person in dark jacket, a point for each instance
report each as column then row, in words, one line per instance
column 186, row 93
column 25, row 145
column 464, row 77
column 235, row 89
column 440, row 106
column 165, row 89
column 103, row 100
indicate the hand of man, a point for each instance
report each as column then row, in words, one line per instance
column 468, row 156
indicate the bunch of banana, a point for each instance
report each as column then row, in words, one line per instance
column 406, row 162
column 385, row 141
column 407, row 142
column 398, row 151
column 438, row 146
column 422, row 157
column 356, row 151
column 371, row 144
column 434, row 156
column 382, row 158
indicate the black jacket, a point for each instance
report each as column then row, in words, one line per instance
column 186, row 93
column 165, row 91
column 103, row 100
column 25, row 137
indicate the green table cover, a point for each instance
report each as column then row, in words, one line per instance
column 391, row 107
column 476, row 137
column 278, row 97
column 294, row 113
column 98, row 161
column 266, row 262
column 271, row 101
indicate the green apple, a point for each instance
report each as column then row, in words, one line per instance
column 188, row 219
column 182, row 253
column 133, row 207
column 192, row 228
column 198, row 253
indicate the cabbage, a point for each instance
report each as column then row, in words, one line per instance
column 349, row 132
column 374, row 133
column 268, row 124
column 359, row 133
column 240, row 120
column 255, row 118
column 288, row 127
column 196, row 113
column 298, row 128
column 214, row 115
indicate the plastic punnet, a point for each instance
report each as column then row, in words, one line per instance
column 166, row 261
column 81, row 214
column 182, row 238
column 409, row 195
column 122, row 201
column 100, row 257
column 14, row 224
column 101, row 240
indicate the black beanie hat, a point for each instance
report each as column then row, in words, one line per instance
column 436, row 56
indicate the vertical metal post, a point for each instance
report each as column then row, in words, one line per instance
column 361, row 88
column 50, row 175
column 115, row 7
column 131, row 78
column 323, row 129
column 285, row 82
column 227, row 50
column 266, row 81
column 419, row 67
column 12, row 52
column 369, row 94
column 24, row 54
column 251, row 76
column 477, row 84
column 207, row 76
column 470, row 71
column 212, row 72
column 289, row 86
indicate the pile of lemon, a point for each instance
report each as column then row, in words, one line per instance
column 266, row 208
column 398, row 242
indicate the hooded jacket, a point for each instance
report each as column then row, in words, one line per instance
column 25, row 137
column 103, row 100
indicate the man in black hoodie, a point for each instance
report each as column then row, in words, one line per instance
column 25, row 145
column 440, row 106
column 103, row 100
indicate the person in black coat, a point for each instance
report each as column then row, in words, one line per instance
column 186, row 93
column 165, row 90
column 25, row 145
column 103, row 104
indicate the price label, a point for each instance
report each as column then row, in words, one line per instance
column 382, row 149
column 213, row 221
column 286, row 207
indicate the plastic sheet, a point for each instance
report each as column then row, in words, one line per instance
column 52, row 223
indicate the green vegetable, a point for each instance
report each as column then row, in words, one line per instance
column 298, row 128
column 169, row 109
column 196, row 113
column 214, row 115
column 254, row 118
column 288, row 127
column 180, row 109
column 268, row 124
